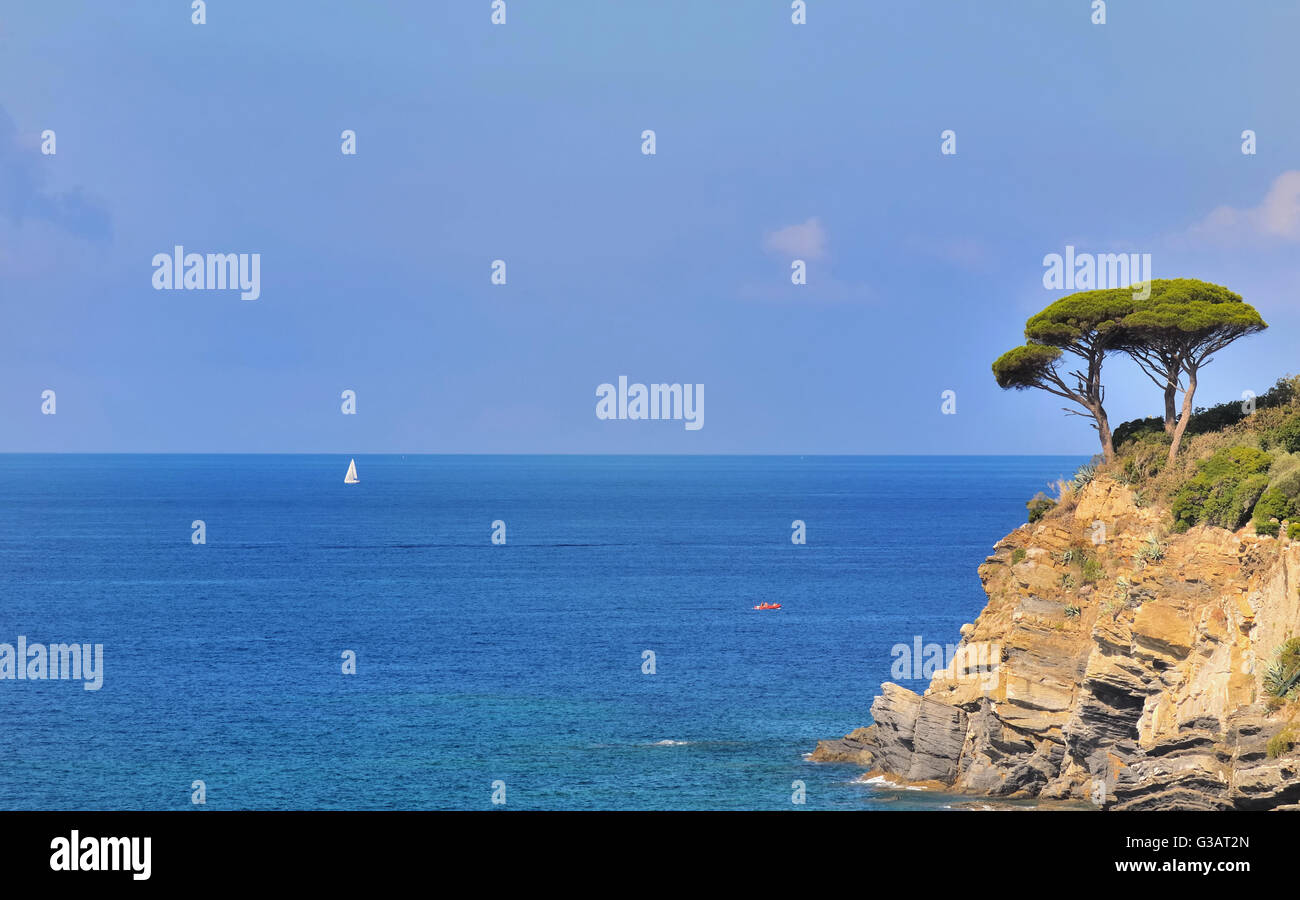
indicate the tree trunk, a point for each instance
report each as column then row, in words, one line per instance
column 1171, row 390
column 1185, row 417
column 1103, row 432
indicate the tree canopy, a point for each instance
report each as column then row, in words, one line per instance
column 1175, row 331
column 1025, row 367
column 1170, row 332
column 1082, row 319
column 1083, row 325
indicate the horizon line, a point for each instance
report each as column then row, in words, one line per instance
column 565, row 453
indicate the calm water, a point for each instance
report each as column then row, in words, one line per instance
column 476, row 663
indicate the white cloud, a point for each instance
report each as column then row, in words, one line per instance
column 1276, row 217
column 806, row 241
column 24, row 196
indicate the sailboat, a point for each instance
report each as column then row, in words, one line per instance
column 351, row 477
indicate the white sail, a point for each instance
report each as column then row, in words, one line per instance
column 351, row 477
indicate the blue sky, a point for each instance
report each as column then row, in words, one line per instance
column 523, row 142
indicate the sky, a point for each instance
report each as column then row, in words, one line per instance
column 523, row 142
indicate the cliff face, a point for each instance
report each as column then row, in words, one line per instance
column 1135, row 683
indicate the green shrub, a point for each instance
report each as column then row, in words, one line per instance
column 1282, row 498
column 1238, row 511
column 1203, row 421
column 1145, row 457
column 1224, row 415
column 1224, row 489
column 1090, row 570
column 1280, row 743
column 1214, row 418
column 1039, row 505
column 1017, row 555
column 1272, row 505
column 1285, row 474
column 1287, row 435
column 1138, row 428
column 1283, row 393
column 1293, row 531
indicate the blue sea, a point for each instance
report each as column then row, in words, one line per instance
column 478, row 663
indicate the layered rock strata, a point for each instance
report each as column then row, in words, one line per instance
column 1134, row 681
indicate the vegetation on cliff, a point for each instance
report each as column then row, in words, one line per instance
column 1240, row 464
column 1239, row 471
column 1118, row 660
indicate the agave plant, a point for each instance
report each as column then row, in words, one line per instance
column 1283, row 674
column 1152, row 552
column 1084, row 476
column 1275, row 679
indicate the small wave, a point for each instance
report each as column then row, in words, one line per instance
column 667, row 743
column 882, row 781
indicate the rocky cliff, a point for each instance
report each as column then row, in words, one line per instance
column 1134, row 681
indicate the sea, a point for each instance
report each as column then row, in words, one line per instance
column 478, row 632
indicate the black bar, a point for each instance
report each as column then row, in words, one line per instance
column 989, row 848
